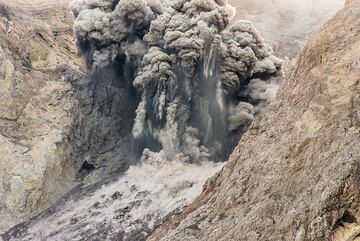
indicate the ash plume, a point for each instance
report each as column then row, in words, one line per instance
column 200, row 81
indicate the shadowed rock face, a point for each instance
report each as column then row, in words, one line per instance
column 295, row 174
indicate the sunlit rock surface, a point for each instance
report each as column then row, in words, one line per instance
column 38, row 62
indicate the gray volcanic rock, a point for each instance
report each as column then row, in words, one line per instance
column 295, row 174
column 37, row 107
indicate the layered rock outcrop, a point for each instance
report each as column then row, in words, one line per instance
column 38, row 106
column 295, row 174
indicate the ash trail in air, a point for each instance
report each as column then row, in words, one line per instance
column 198, row 81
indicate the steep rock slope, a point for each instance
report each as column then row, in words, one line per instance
column 38, row 106
column 295, row 174
column 58, row 127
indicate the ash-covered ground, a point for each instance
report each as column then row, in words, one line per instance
column 128, row 209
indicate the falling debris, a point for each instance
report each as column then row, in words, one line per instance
column 189, row 67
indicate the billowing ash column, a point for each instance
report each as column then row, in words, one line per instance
column 200, row 80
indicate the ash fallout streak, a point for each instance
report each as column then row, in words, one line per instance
column 197, row 81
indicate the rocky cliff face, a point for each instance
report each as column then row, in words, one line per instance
column 58, row 128
column 38, row 105
column 295, row 174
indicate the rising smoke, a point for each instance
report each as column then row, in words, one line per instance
column 200, row 81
